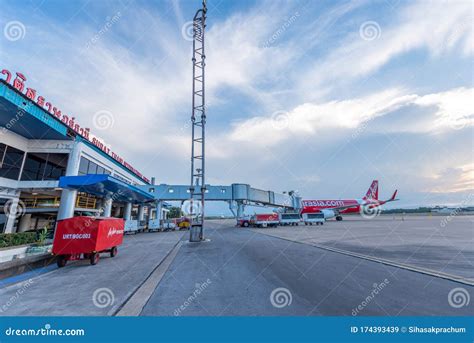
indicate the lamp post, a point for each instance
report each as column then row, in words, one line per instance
column 198, row 118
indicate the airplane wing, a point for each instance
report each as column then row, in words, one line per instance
column 393, row 198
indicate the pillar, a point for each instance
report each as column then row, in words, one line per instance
column 240, row 209
column 11, row 215
column 25, row 222
column 231, row 208
column 107, row 207
column 68, row 203
column 127, row 212
column 141, row 212
column 159, row 209
column 117, row 212
column 68, row 196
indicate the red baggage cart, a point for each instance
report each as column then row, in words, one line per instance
column 86, row 237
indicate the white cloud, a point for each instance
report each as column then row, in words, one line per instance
column 438, row 26
column 454, row 107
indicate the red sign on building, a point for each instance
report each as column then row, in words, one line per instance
column 19, row 84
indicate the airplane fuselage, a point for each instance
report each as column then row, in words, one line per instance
column 327, row 206
column 334, row 208
column 312, row 206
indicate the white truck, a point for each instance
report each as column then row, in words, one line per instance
column 290, row 219
column 264, row 220
column 310, row 218
column 131, row 227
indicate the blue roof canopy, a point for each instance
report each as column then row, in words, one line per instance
column 103, row 185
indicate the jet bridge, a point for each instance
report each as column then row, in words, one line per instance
column 238, row 195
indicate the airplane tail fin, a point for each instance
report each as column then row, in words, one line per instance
column 373, row 191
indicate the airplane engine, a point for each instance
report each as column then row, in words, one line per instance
column 328, row 214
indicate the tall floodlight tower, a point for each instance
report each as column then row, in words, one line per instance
column 198, row 119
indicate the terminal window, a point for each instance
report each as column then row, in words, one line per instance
column 10, row 161
column 89, row 167
column 44, row 166
column 3, row 217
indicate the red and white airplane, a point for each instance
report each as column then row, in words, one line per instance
column 366, row 206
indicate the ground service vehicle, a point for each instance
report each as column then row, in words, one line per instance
column 264, row 220
column 310, row 218
column 290, row 218
column 86, row 237
column 244, row 221
column 183, row 223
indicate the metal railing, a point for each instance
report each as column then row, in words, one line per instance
column 82, row 201
column 41, row 202
column 86, row 202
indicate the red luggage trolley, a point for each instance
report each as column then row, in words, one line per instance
column 86, row 237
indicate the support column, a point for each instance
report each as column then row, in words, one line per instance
column 127, row 212
column 159, row 209
column 240, row 209
column 68, row 203
column 68, row 196
column 25, row 222
column 11, row 215
column 141, row 212
column 107, row 207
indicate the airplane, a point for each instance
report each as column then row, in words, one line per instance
column 367, row 206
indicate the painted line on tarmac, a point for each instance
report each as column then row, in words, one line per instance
column 134, row 305
column 421, row 270
column 27, row 276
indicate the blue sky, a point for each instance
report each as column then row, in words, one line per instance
column 317, row 96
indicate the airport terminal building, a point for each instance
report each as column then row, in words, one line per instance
column 51, row 168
